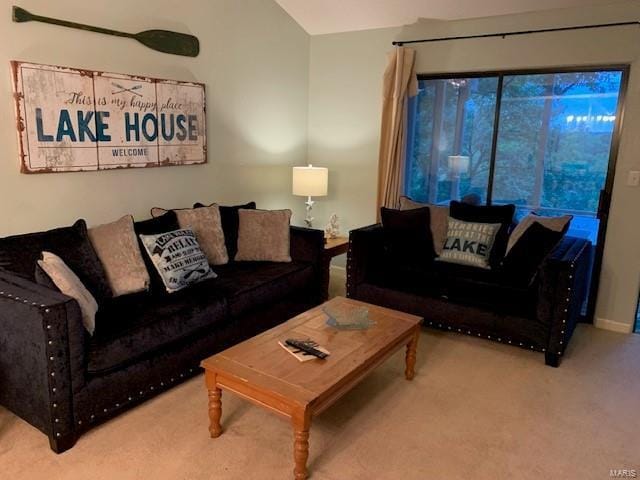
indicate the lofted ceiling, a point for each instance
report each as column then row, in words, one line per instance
column 332, row 16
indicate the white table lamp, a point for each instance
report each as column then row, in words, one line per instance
column 458, row 166
column 310, row 182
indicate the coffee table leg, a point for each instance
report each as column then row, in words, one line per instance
column 301, row 424
column 410, row 357
column 215, row 406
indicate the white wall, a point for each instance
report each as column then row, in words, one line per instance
column 345, row 102
column 254, row 62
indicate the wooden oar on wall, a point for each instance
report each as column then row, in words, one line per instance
column 161, row 40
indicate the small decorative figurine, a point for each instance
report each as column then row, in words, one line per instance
column 332, row 230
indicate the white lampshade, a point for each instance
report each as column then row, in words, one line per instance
column 310, row 181
column 458, row 164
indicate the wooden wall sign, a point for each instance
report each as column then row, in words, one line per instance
column 78, row 120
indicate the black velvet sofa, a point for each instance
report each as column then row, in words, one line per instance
column 64, row 382
column 460, row 299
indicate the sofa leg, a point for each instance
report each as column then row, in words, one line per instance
column 552, row 359
column 63, row 443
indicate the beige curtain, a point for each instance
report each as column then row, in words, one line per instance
column 400, row 83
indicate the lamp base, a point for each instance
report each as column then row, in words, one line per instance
column 309, row 219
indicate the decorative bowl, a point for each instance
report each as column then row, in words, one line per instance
column 348, row 317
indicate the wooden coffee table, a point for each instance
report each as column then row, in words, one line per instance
column 262, row 372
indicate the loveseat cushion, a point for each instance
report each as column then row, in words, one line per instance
column 132, row 326
column 407, row 236
column 486, row 289
column 461, row 284
column 251, row 285
column 439, row 220
column 524, row 259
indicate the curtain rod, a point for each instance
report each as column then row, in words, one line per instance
column 400, row 43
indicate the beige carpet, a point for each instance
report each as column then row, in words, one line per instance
column 476, row 410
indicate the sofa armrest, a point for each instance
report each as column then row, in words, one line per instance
column 562, row 289
column 366, row 248
column 307, row 245
column 41, row 356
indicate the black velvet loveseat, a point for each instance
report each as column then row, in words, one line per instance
column 540, row 316
column 64, row 382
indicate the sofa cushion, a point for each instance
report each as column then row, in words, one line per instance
column 19, row 254
column 132, row 326
column 251, row 285
column 230, row 221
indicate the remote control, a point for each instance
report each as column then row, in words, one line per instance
column 305, row 347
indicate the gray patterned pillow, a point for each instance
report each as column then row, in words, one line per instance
column 178, row 258
column 469, row 243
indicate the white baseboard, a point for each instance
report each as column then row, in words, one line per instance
column 612, row 325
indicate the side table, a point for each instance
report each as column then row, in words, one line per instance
column 332, row 248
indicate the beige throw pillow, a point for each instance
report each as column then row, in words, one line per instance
column 439, row 220
column 557, row 224
column 158, row 212
column 118, row 250
column 69, row 284
column 263, row 235
column 206, row 223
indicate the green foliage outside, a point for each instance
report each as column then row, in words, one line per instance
column 553, row 144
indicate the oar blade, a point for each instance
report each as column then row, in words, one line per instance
column 170, row 42
column 21, row 15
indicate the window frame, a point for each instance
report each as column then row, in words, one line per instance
column 500, row 74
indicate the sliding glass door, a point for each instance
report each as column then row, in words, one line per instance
column 452, row 117
column 543, row 140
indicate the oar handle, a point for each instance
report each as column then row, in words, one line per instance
column 22, row 15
